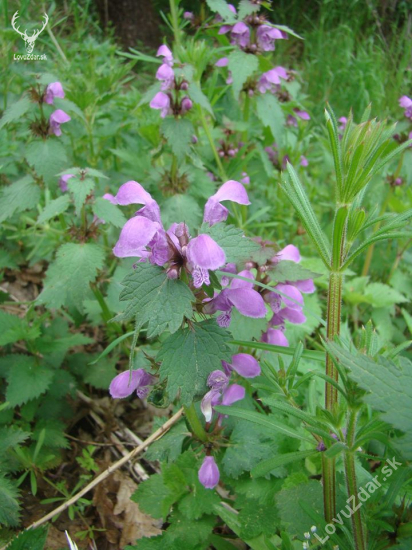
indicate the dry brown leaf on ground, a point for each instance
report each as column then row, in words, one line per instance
column 136, row 524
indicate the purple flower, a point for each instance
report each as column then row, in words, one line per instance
column 244, row 364
column 63, row 182
column 343, row 121
column 230, row 191
column 245, row 179
column 209, row 473
column 302, row 114
column 166, row 76
column 406, row 103
column 240, row 35
column 55, row 89
column 271, row 79
column 304, row 161
column 132, row 192
column 56, row 118
column 275, row 337
column 136, row 234
column 186, row 105
column 188, row 15
column 220, row 393
column 203, row 254
column 290, row 252
column 266, row 37
column 167, row 55
column 240, row 295
column 222, row 62
column 161, row 101
column 124, row 384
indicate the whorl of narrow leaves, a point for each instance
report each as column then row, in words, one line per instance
column 154, row 299
column 190, row 355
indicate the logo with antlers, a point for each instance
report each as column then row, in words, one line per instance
column 28, row 40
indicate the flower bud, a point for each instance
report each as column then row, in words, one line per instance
column 184, row 85
column 186, row 105
column 209, row 473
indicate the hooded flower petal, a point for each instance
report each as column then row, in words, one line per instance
column 209, row 473
column 217, row 379
column 63, row 182
column 232, row 394
column 305, row 285
column 124, row 384
column 222, row 62
column 56, row 118
column 166, row 75
column 290, row 295
column 290, row 252
column 275, row 337
column 245, row 365
column 230, row 191
column 240, row 34
column 204, row 252
column 161, row 101
column 248, row 302
column 134, row 237
column 405, row 102
column 167, row 55
column 239, row 283
column 55, row 89
column 132, row 192
column 211, row 399
column 294, row 316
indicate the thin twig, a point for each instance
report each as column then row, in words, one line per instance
column 101, row 477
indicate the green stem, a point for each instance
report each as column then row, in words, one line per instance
column 195, row 424
column 246, row 111
column 175, row 21
column 351, row 483
column 212, row 145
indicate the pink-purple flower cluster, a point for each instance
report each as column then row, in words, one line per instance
column 144, row 236
column 169, row 100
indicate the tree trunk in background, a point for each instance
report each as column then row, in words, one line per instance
column 133, row 21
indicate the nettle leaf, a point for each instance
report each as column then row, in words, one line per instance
column 155, row 299
column 48, row 157
column 271, row 115
column 381, row 295
column 68, row 277
column 178, row 132
column 256, row 519
column 168, row 447
column 27, row 380
column 80, row 189
column 221, row 7
column 248, row 446
column 237, row 247
column 246, row 328
column 246, row 8
column 108, row 212
column 15, row 111
column 11, row 437
column 291, row 512
column 13, row 329
column 242, row 65
column 181, row 208
column 290, row 271
column 190, row 355
column 9, row 509
column 389, row 388
column 35, row 539
column 150, row 496
column 54, row 208
column 17, row 197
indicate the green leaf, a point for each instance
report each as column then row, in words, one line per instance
column 21, row 195
column 237, row 247
column 69, row 276
column 181, row 208
column 13, row 329
column 290, row 271
column 48, row 157
column 248, row 446
column 198, row 97
column 307, row 353
column 35, row 539
column 54, row 208
column 178, row 132
column 155, row 299
column 270, row 113
column 150, row 496
column 27, row 380
column 291, row 512
column 267, row 421
column 242, row 327
column 11, row 437
column 387, row 384
column 108, row 212
column 111, row 346
column 265, row 467
column 242, row 66
column 80, row 189
column 246, row 8
column 381, row 295
column 168, row 447
column 15, row 111
column 190, row 355
column 9, row 509
column 221, row 7
column 100, row 374
column 297, row 196
column 256, row 519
